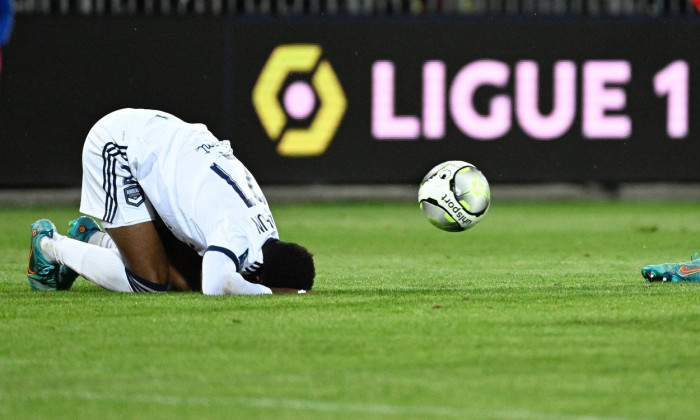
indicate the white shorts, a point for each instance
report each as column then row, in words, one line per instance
column 109, row 192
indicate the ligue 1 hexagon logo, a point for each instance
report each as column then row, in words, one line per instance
column 299, row 100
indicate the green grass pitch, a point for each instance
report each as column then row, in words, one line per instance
column 539, row 312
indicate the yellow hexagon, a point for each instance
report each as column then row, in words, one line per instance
column 299, row 58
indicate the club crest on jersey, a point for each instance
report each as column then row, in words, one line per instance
column 242, row 258
column 133, row 195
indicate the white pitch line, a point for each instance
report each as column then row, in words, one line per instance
column 319, row 406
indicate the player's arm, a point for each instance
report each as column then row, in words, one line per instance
column 220, row 277
column 254, row 278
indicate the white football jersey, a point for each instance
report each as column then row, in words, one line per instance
column 204, row 195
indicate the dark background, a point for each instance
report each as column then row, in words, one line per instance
column 61, row 74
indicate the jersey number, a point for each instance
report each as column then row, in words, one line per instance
column 223, row 174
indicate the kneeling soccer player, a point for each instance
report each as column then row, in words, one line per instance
column 140, row 165
column 674, row 272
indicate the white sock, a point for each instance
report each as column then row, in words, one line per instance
column 102, row 266
column 102, row 239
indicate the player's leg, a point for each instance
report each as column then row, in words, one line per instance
column 62, row 256
column 185, row 263
column 182, row 258
column 144, row 257
column 144, row 267
column 51, row 252
column 674, row 272
column 110, row 193
column 85, row 229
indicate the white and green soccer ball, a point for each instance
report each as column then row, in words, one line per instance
column 454, row 196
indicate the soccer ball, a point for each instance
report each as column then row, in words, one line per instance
column 454, row 196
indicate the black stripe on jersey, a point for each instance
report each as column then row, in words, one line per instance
column 109, row 178
column 139, row 284
column 254, row 267
column 226, row 252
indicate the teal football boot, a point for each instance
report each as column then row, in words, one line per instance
column 686, row 271
column 41, row 273
column 80, row 229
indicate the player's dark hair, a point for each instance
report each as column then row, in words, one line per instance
column 287, row 265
